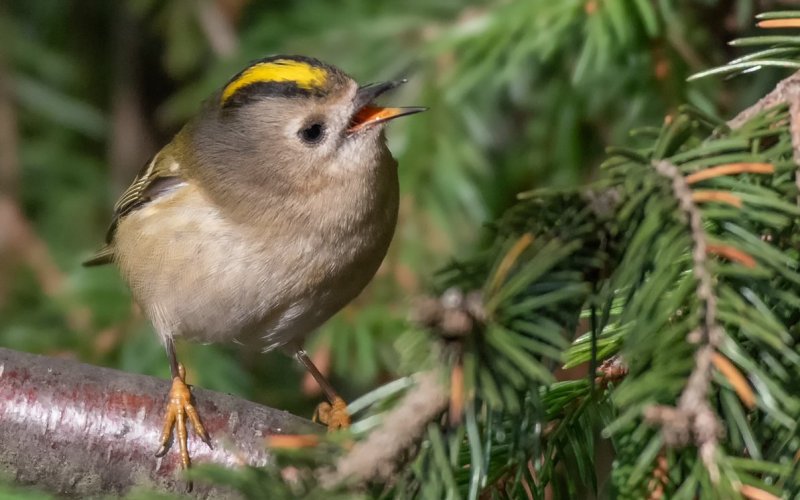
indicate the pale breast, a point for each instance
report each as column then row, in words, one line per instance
column 198, row 274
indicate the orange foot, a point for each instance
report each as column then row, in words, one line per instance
column 179, row 406
column 333, row 414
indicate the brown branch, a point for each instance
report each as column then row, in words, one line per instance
column 80, row 430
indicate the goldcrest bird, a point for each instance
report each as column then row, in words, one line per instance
column 264, row 216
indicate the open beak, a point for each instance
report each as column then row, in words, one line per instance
column 368, row 115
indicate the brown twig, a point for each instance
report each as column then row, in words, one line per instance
column 785, row 92
column 453, row 315
column 79, row 430
column 379, row 455
column 693, row 418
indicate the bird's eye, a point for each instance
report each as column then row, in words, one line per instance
column 313, row 133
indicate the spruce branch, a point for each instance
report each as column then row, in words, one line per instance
column 787, row 91
column 693, row 414
column 746, row 221
column 378, row 456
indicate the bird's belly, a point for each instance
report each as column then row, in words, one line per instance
column 200, row 276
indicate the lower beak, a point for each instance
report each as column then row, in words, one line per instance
column 369, row 116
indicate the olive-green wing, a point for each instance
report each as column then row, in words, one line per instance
column 158, row 176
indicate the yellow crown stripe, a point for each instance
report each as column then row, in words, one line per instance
column 300, row 73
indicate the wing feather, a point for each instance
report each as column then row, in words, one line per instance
column 157, row 177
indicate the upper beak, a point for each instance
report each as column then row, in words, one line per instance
column 367, row 115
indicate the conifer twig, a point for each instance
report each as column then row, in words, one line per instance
column 787, row 91
column 379, row 455
column 693, row 418
column 783, row 93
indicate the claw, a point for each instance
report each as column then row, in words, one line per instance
column 334, row 414
column 179, row 407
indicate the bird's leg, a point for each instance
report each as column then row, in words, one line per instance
column 179, row 407
column 333, row 414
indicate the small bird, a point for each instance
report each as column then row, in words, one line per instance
column 264, row 216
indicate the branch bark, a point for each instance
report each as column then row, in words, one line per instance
column 80, row 430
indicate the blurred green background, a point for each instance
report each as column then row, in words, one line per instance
column 523, row 94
